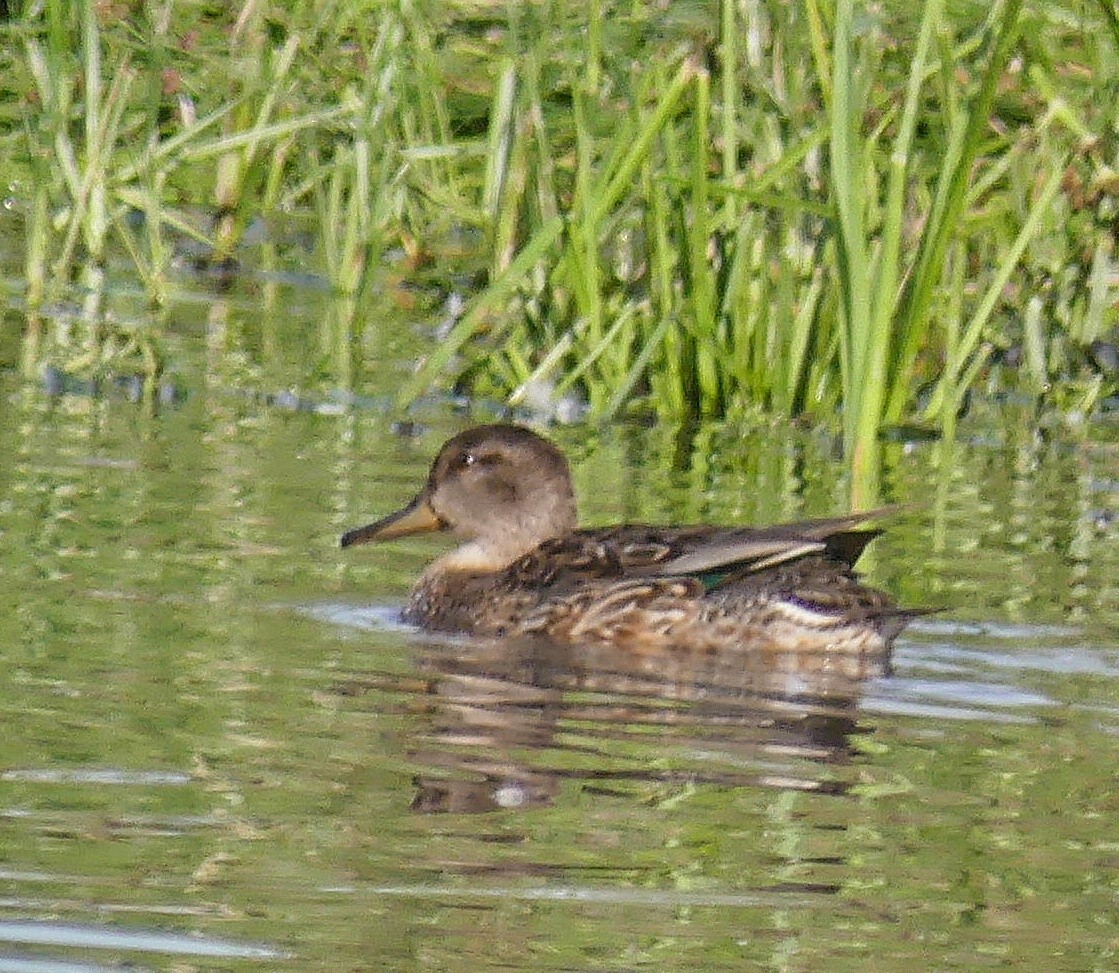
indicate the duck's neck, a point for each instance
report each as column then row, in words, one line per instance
column 511, row 535
column 473, row 557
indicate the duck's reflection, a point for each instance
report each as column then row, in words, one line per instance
column 507, row 724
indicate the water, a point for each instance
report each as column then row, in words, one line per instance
column 221, row 749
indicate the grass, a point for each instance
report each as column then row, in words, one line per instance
column 809, row 209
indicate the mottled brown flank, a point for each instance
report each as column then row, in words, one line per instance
column 525, row 569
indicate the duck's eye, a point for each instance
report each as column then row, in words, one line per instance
column 477, row 461
column 466, row 460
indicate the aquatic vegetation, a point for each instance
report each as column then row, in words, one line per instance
column 811, row 210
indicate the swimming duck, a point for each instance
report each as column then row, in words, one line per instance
column 524, row 567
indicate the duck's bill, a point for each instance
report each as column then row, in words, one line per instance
column 416, row 518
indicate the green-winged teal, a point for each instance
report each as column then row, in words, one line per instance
column 525, row 568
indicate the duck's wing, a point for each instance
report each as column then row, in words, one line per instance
column 708, row 554
column 838, row 539
column 753, row 553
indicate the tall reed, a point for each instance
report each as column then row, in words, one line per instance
column 808, row 209
column 686, row 275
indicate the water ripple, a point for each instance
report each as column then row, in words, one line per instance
column 135, row 940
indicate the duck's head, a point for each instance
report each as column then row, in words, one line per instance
column 502, row 489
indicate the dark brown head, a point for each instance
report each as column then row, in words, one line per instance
column 502, row 488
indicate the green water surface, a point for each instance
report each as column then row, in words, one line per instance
column 215, row 728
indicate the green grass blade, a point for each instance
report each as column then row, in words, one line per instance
column 490, row 301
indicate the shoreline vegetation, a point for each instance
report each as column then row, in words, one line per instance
column 691, row 210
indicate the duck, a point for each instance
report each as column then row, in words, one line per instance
column 524, row 567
